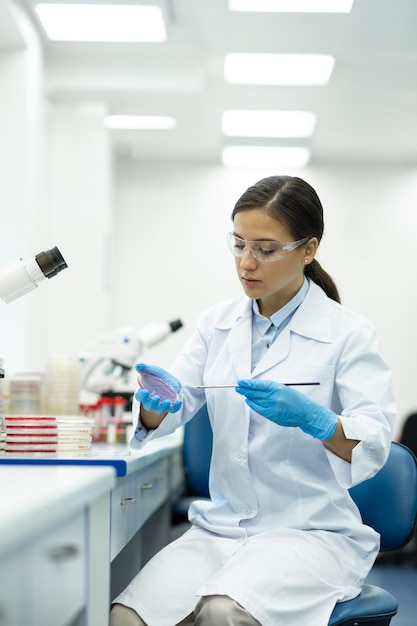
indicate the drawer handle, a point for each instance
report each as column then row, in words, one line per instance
column 61, row 553
column 146, row 486
column 127, row 500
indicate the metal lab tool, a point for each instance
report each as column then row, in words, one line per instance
column 232, row 386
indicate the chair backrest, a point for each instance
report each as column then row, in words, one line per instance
column 388, row 501
column 197, row 447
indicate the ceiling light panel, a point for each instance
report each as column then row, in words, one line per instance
column 252, row 123
column 278, row 69
column 102, row 22
column 292, row 6
column 140, row 122
column 265, row 156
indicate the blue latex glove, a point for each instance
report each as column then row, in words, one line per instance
column 288, row 407
column 154, row 402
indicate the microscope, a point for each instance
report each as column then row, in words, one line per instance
column 20, row 277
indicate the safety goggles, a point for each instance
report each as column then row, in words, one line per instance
column 262, row 250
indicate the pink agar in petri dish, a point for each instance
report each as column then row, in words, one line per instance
column 158, row 387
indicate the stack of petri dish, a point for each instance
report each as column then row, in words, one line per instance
column 25, row 390
column 62, row 385
column 48, row 435
column 2, row 441
column 75, row 434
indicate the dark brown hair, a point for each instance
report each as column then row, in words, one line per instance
column 295, row 203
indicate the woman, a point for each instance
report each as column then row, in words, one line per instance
column 280, row 541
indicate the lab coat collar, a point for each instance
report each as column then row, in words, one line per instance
column 312, row 319
column 239, row 324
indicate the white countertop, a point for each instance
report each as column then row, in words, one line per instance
column 32, row 499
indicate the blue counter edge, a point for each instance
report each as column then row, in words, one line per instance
column 119, row 464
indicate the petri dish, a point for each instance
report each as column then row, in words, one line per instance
column 29, row 421
column 31, row 431
column 23, row 448
column 158, row 387
column 31, row 439
column 75, row 425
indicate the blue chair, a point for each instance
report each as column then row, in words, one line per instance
column 387, row 502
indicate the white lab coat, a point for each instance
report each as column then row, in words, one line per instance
column 269, row 481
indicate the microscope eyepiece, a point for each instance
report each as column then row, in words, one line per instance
column 175, row 325
column 51, row 262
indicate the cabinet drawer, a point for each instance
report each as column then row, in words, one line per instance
column 58, row 575
column 44, row 583
column 134, row 499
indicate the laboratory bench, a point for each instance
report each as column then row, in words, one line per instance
column 75, row 530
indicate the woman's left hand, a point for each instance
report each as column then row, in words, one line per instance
column 288, row 407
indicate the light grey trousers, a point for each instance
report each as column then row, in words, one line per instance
column 209, row 610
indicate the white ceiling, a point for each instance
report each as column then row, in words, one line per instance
column 367, row 112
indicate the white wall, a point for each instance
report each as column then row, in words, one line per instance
column 20, row 84
column 171, row 258
column 75, row 215
column 56, row 189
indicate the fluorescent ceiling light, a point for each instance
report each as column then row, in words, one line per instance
column 277, row 69
column 102, row 22
column 265, row 156
column 140, row 122
column 241, row 123
column 292, row 6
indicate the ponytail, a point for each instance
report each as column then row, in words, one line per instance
column 316, row 273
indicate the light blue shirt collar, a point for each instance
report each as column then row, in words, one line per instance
column 263, row 323
column 265, row 330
